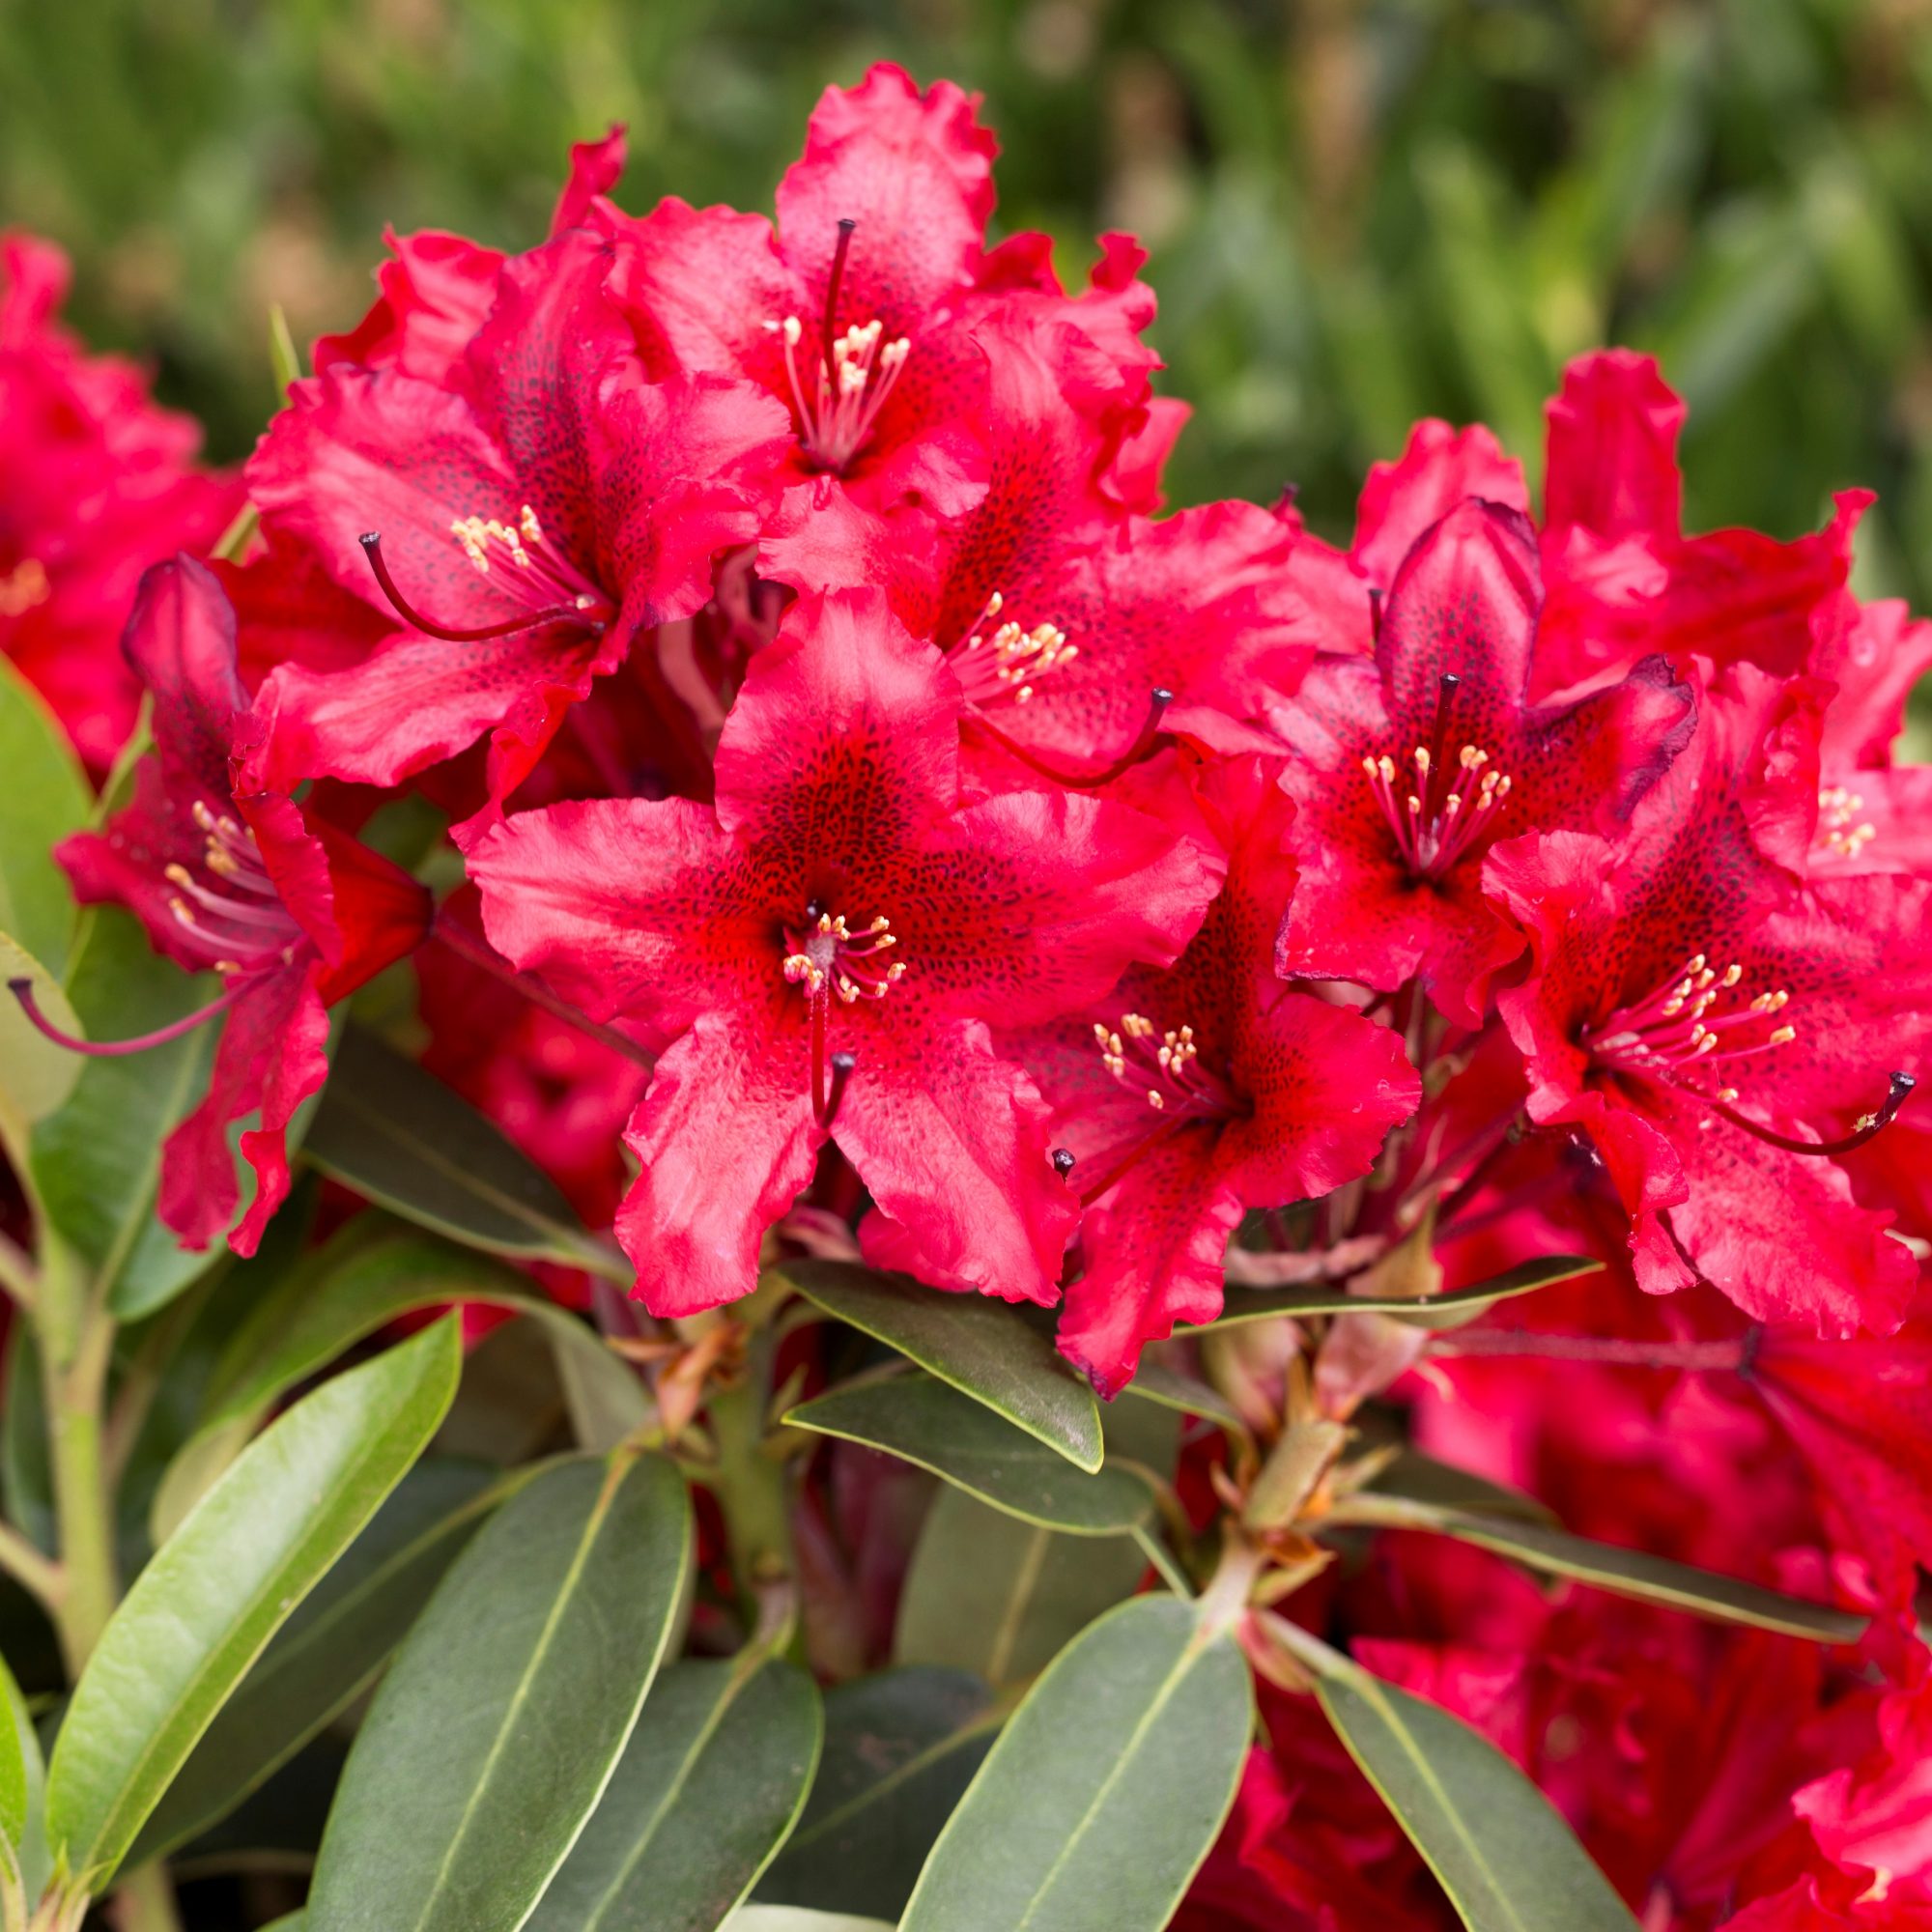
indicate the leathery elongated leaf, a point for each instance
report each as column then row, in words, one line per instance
column 23, row 1792
column 331, row 1648
column 1628, row 1573
column 983, row 1348
column 798, row 1918
column 706, row 1790
column 399, row 1135
column 1106, row 1788
column 47, row 797
column 500, row 1721
column 922, row 1420
column 900, row 1746
column 990, row 1594
column 203, row 1609
column 347, row 1291
column 1267, row 1304
column 1507, row 1860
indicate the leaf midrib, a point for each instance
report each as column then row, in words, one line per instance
column 373, row 1454
column 592, row 1528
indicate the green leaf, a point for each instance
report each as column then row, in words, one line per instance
column 1628, row 1573
column 706, row 1790
column 203, row 1609
column 1419, row 1478
column 1265, row 1304
column 1106, row 1788
column 37, row 1077
column 330, row 1650
column 1186, row 1394
column 1506, row 1859
column 990, row 1594
column 497, row 1727
column 24, row 1442
column 400, row 1136
column 901, row 1747
column 922, row 1420
column 341, row 1295
column 984, row 1347
column 95, row 1160
column 798, row 1918
column 24, row 1824
column 47, row 797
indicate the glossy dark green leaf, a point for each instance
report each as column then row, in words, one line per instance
column 203, row 1609
column 1628, row 1573
column 340, row 1295
column 984, row 1347
column 499, row 1723
column 398, row 1135
column 900, row 1749
column 1506, row 1859
column 331, row 1649
column 1267, row 1303
column 799, row 1918
column 1001, row 1598
column 922, row 1420
column 1106, row 1788
column 97, row 1158
column 1424, row 1479
column 24, row 1442
column 706, row 1790
column 1184, row 1394
column 47, row 797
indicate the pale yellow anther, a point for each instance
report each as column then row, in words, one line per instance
column 1387, row 768
column 1733, row 974
column 1783, row 1034
column 1422, row 760
column 1157, row 1099
column 526, row 522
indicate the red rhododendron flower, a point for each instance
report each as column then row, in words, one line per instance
column 1625, row 581
column 1722, row 1031
column 1408, row 765
column 819, row 957
column 1062, row 612
column 290, row 913
column 859, row 311
column 524, row 515
column 98, row 482
column 1204, row 1089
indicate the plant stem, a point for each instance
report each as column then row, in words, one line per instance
column 40, row 1575
column 19, row 1277
column 749, row 1483
column 1616, row 1350
column 77, row 1338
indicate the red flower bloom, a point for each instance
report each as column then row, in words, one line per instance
column 1061, row 611
column 1721, row 1030
column 98, row 482
column 1625, row 581
column 292, row 913
column 1410, row 765
column 858, row 312
column 819, row 957
column 538, row 501
column 1204, row 1090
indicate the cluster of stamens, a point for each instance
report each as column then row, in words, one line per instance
column 23, row 586
column 1165, row 1066
column 838, row 400
column 1441, row 813
column 238, row 921
column 830, row 954
column 1840, row 830
column 1015, row 658
column 1698, row 1016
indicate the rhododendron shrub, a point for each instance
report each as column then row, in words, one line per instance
column 769, row 1164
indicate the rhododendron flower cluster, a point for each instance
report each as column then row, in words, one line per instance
column 865, row 829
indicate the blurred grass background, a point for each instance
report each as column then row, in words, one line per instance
column 1360, row 210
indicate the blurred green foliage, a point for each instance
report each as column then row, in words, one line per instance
column 1360, row 210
